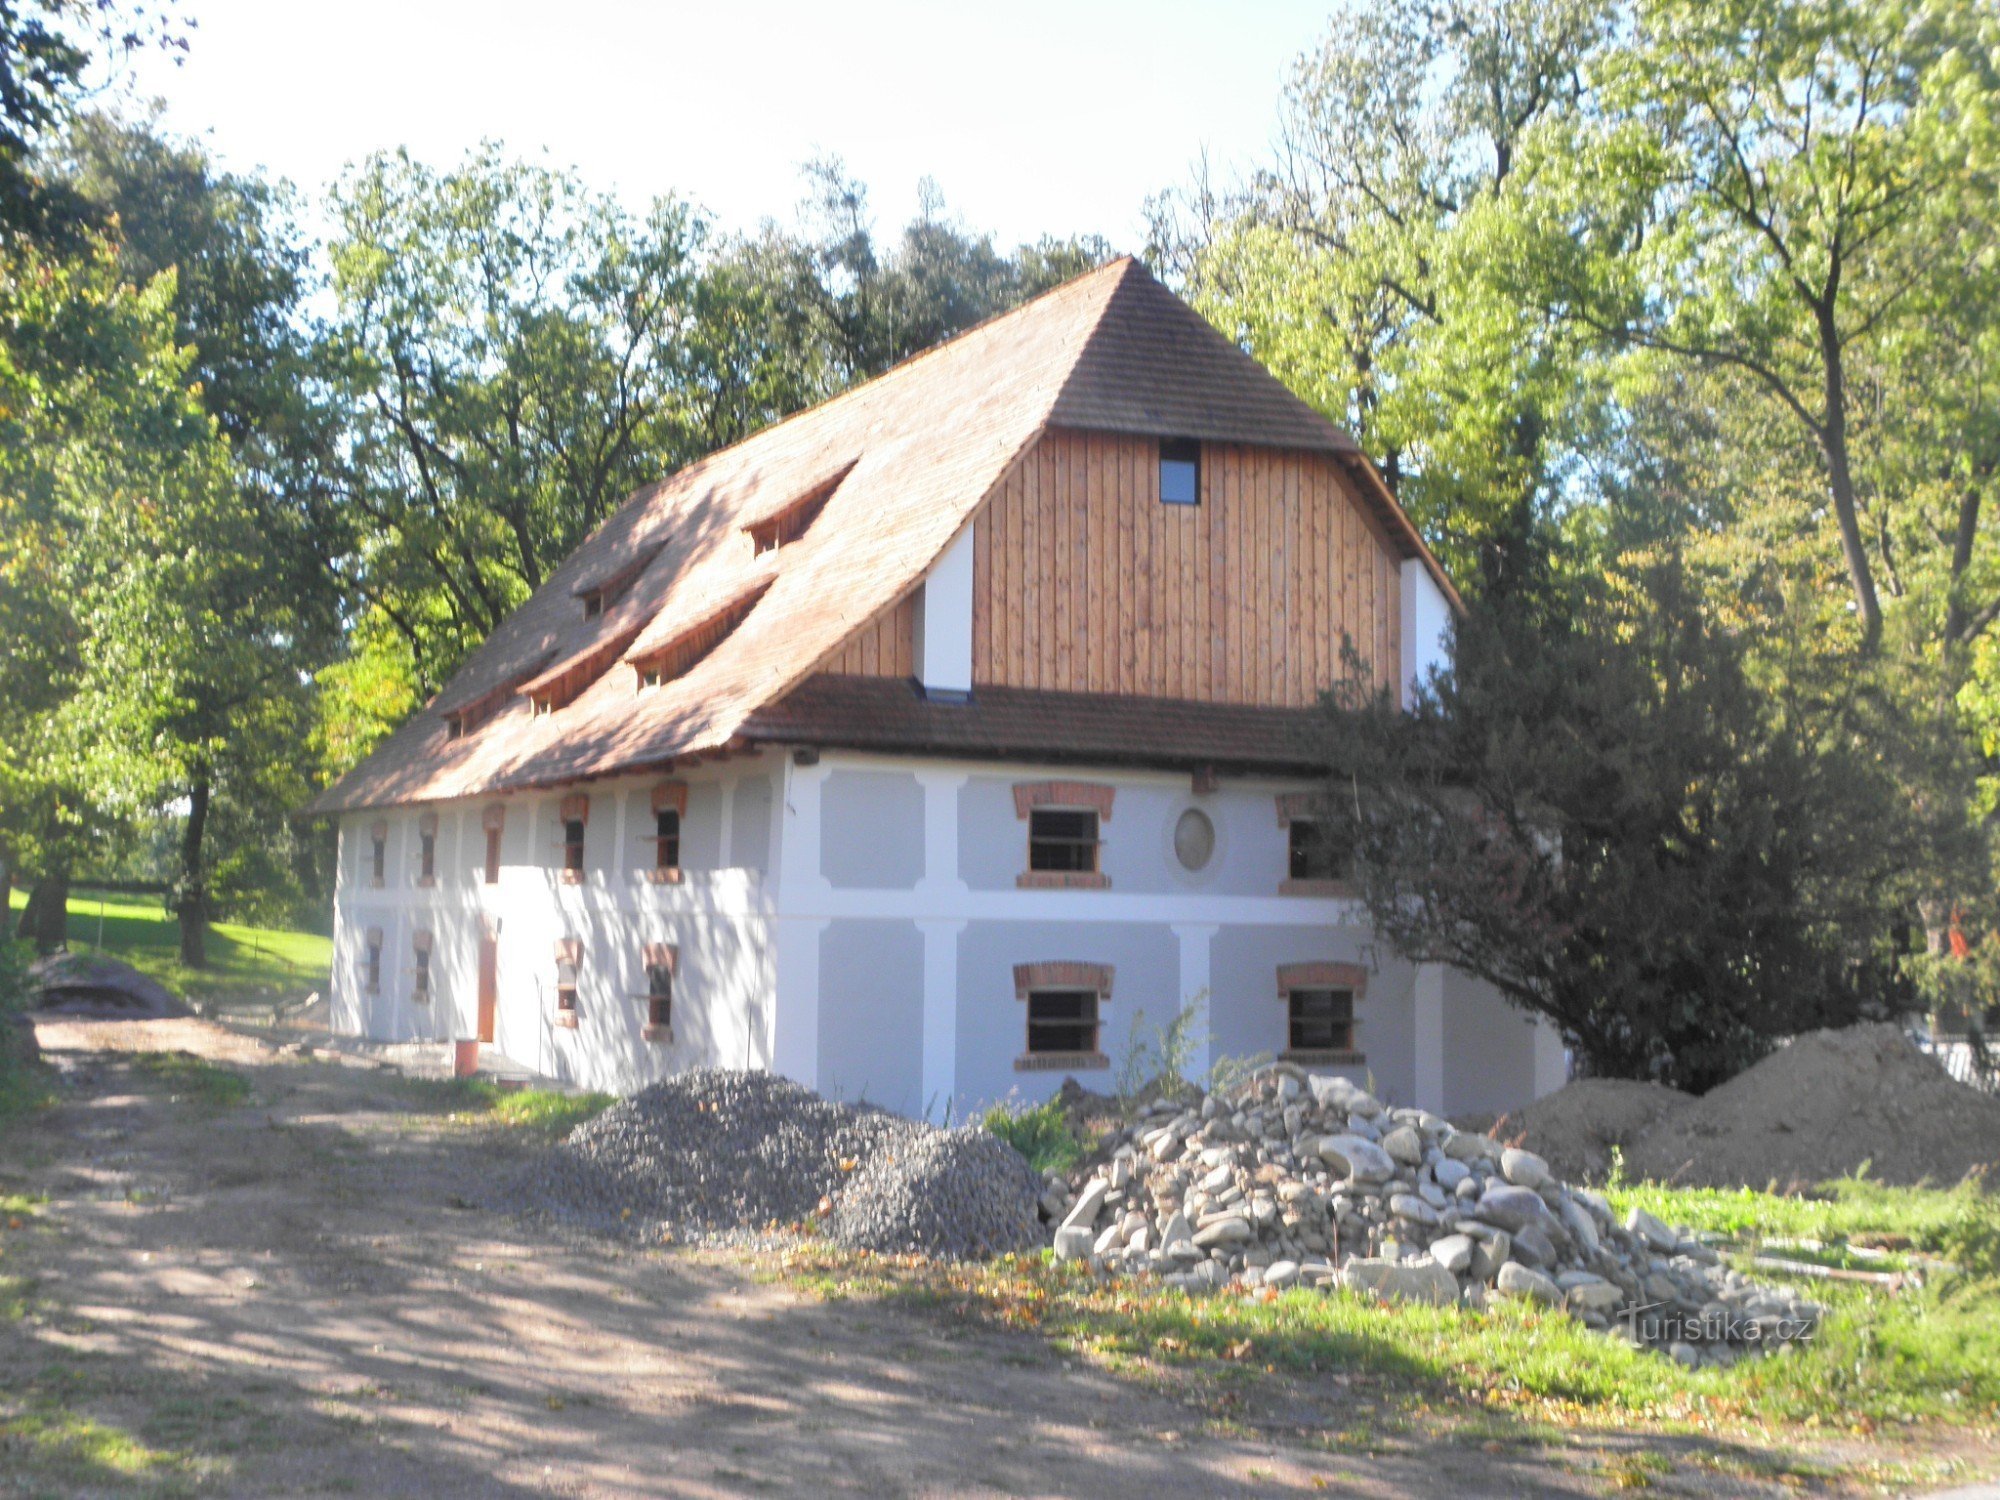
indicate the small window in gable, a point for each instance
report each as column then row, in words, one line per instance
column 1180, row 471
column 420, row 982
column 569, row 967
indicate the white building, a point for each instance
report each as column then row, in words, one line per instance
column 930, row 746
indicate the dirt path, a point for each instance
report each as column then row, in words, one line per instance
column 292, row 1296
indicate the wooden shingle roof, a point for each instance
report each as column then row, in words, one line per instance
column 914, row 453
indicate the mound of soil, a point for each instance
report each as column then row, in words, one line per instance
column 1575, row 1128
column 1821, row 1107
column 101, row 989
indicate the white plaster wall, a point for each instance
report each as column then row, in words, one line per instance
column 1426, row 623
column 719, row 916
column 853, row 923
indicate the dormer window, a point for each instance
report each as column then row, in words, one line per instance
column 1180, row 471
column 593, row 604
column 795, row 519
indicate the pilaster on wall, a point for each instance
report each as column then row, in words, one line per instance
column 790, row 1038
column 1551, row 1060
column 941, row 789
column 940, row 1052
column 944, row 620
column 1196, row 991
column 1429, row 1005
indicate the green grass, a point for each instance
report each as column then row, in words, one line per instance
column 68, row 1452
column 1924, row 1354
column 1960, row 1225
column 249, row 968
column 545, row 1111
column 193, row 1080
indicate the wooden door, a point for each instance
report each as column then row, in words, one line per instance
column 489, row 985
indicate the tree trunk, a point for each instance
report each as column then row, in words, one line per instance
column 194, row 880
column 45, row 919
column 1840, row 483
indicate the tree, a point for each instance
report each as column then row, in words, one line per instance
column 1598, row 811
column 1372, row 264
column 1785, row 182
column 101, row 441
column 247, row 573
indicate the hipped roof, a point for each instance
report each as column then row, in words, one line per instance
column 921, row 446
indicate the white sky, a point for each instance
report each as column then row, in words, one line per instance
column 1033, row 117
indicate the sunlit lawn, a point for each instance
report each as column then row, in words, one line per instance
column 249, row 968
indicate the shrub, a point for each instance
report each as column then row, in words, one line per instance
column 1042, row 1133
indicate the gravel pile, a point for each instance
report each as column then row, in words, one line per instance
column 1291, row 1180
column 960, row 1193
column 718, row 1154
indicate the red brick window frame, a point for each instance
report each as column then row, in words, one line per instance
column 1064, row 847
column 573, row 816
column 378, row 854
column 569, row 971
column 427, row 849
column 1322, row 1009
column 493, row 820
column 663, row 968
column 420, row 980
column 1063, row 1018
column 1307, row 868
column 670, row 803
column 371, row 963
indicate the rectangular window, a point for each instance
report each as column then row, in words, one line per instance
column 566, row 974
column 667, row 841
column 659, row 995
column 573, row 846
column 1321, row 1020
column 379, row 866
column 593, row 604
column 1062, row 839
column 427, row 844
column 1180, row 471
column 1062, row 1021
column 492, row 856
column 371, row 974
column 420, row 986
column 1317, row 854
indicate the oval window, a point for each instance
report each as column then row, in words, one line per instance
column 1194, row 839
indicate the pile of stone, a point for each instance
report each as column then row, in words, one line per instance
column 725, row 1155
column 1297, row 1180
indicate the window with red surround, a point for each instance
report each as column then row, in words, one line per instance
column 494, row 819
column 663, row 961
column 1320, row 1000
column 569, row 966
column 1063, row 833
column 420, row 984
column 1317, row 862
column 427, row 847
column 669, row 807
column 575, row 816
column 1064, row 1003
